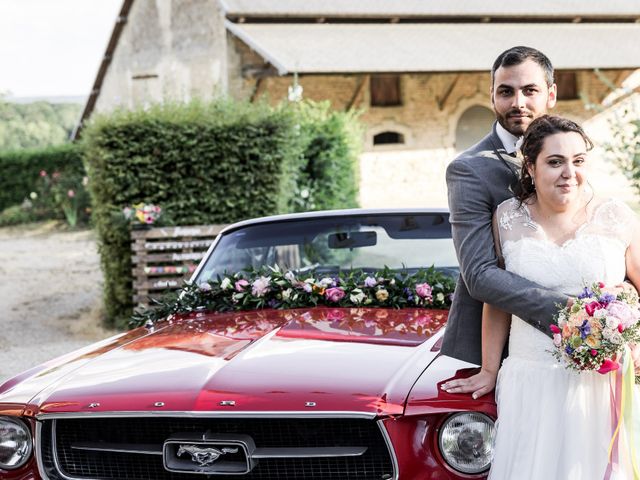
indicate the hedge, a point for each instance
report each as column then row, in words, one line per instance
column 205, row 163
column 21, row 169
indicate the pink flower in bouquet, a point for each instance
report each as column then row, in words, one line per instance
column 625, row 314
column 557, row 339
column 590, row 308
column 241, row 285
column 555, row 329
column 608, row 366
column 424, row 290
column 260, row 286
column 334, row 294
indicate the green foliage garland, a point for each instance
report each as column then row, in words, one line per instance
column 273, row 288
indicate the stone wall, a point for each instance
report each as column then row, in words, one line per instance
column 179, row 49
column 168, row 50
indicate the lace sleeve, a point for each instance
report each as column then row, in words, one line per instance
column 514, row 221
column 616, row 219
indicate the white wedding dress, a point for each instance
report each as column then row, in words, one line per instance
column 554, row 423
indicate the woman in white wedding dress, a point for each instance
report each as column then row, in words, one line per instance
column 554, row 423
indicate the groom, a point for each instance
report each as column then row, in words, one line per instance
column 478, row 180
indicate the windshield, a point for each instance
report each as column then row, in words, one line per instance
column 335, row 244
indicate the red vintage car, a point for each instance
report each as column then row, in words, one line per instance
column 305, row 393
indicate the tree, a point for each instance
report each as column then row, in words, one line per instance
column 37, row 124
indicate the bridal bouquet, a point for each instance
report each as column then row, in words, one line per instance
column 592, row 334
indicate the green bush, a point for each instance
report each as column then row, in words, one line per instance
column 21, row 170
column 331, row 143
column 208, row 163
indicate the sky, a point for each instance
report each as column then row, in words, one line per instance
column 53, row 47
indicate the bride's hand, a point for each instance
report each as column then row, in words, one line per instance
column 624, row 287
column 479, row 384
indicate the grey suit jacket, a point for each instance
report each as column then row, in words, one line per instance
column 478, row 180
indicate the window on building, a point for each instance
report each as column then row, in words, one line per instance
column 473, row 125
column 567, row 85
column 385, row 90
column 388, row 138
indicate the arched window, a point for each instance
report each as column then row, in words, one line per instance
column 388, row 138
column 473, row 125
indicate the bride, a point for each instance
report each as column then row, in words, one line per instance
column 554, row 423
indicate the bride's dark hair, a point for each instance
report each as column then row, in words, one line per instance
column 532, row 142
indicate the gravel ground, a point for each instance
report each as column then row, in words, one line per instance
column 50, row 295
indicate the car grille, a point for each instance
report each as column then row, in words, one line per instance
column 62, row 459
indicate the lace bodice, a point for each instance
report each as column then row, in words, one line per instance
column 596, row 253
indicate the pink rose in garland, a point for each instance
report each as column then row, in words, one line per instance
column 241, row 285
column 260, row 286
column 334, row 294
column 424, row 290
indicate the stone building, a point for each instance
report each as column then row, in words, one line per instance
column 417, row 70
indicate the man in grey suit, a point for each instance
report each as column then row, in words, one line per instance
column 478, row 180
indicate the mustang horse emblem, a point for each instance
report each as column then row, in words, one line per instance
column 204, row 456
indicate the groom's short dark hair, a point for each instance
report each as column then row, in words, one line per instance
column 517, row 55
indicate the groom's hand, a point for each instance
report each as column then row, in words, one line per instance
column 478, row 385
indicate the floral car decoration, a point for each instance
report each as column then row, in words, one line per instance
column 271, row 287
column 307, row 344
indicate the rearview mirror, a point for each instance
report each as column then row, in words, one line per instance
column 352, row 239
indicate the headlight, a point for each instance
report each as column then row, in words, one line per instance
column 15, row 443
column 466, row 441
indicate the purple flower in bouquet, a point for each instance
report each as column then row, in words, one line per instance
column 585, row 329
column 586, row 293
column 370, row 282
column 606, row 298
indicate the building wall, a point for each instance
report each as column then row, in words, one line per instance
column 413, row 174
column 169, row 49
column 179, row 49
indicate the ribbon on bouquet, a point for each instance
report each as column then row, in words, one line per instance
column 622, row 384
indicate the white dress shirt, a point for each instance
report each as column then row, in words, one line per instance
column 510, row 142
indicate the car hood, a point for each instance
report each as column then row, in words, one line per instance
column 320, row 359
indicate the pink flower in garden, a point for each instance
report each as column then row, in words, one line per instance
column 241, row 285
column 334, row 294
column 71, row 194
column 608, row 366
column 43, row 173
column 424, row 290
column 55, row 175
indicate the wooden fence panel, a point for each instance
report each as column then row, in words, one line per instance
column 163, row 258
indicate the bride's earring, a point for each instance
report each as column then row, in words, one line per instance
column 533, row 183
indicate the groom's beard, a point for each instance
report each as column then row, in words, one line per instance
column 515, row 121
